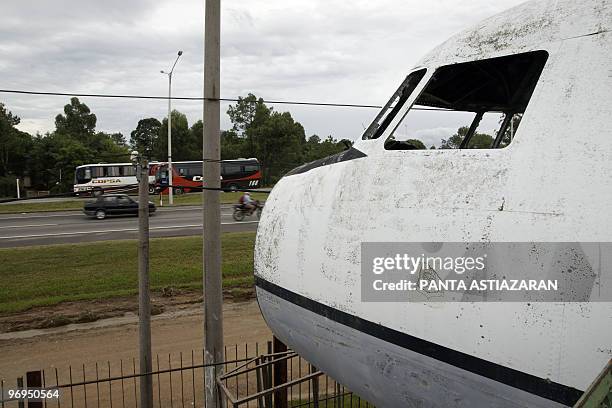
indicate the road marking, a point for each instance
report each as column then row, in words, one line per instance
column 28, row 226
column 23, row 216
column 57, row 234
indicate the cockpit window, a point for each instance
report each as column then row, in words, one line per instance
column 390, row 110
column 472, row 105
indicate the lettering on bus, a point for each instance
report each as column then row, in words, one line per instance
column 105, row 181
column 200, row 178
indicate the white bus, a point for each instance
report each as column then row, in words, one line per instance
column 96, row 179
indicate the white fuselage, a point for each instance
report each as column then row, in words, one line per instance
column 553, row 183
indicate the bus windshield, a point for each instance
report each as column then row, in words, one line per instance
column 82, row 175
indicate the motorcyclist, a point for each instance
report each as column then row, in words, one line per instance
column 247, row 202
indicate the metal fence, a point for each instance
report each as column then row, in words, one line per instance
column 178, row 381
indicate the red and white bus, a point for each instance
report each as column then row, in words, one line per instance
column 187, row 175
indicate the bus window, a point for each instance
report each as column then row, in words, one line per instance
column 194, row 170
column 111, row 171
column 231, row 169
column 128, row 171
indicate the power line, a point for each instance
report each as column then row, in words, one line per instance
column 185, row 98
column 199, row 98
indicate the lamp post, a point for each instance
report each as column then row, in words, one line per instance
column 170, row 189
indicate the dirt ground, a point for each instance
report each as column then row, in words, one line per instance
column 107, row 347
column 114, row 342
column 167, row 300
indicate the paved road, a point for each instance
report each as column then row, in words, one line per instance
column 72, row 226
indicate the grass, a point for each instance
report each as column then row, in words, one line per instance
column 67, row 205
column 33, row 206
column 47, row 275
column 196, row 198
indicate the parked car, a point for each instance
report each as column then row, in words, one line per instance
column 113, row 204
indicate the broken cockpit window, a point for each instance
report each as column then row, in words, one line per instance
column 472, row 105
column 390, row 110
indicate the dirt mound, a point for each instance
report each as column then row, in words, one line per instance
column 167, row 299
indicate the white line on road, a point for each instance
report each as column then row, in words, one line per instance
column 57, row 234
column 28, row 226
column 161, row 210
column 27, row 216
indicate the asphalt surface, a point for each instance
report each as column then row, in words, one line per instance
column 18, row 230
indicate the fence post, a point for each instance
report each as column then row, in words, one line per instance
column 315, row 388
column 267, row 376
column 20, row 387
column 34, row 380
column 280, row 375
column 258, row 375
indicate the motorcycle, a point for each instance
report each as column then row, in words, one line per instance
column 240, row 211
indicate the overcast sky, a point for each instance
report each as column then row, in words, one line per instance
column 308, row 50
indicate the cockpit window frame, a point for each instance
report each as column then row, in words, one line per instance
column 386, row 115
column 392, row 115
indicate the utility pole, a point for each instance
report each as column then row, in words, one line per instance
column 213, row 285
column 169, row 73
column 144, row 302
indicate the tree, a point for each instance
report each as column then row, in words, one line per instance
column 185, row 146
column 119, row 139
column 278, row 137
column 15, row 147
column 478, row 140
column 233, row 146
column 55, row 157
column 14, row 144
column 275, row 138
column 247, row 112
column 77, row 120
column 50, row 159
column 316, row 149
column 196, row 132
column 73, row 143
column 146, row 136
column 417, row 143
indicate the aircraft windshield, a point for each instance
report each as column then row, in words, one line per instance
column 477, row 104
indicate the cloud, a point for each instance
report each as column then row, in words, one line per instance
column 315, row 50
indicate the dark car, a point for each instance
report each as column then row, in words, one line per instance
column 113, row 204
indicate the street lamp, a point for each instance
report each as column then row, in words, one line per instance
column 170, row 190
